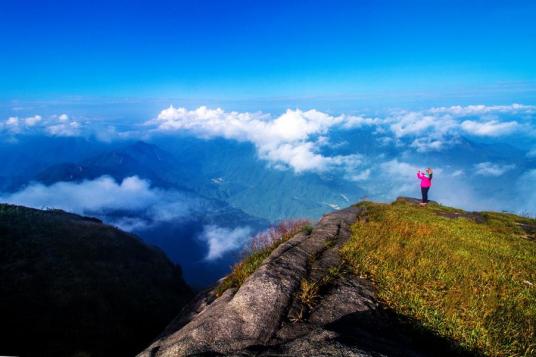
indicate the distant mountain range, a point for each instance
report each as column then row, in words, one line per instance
column 235, row 186
column 215, row 169
column 238, row 189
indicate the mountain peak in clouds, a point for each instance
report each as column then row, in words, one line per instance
column 372, row 279
column 146, row 150
column 139, row 158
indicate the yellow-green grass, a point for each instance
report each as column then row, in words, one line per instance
column 473, row 283
column 260, row 248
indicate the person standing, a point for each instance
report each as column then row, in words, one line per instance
column 426, row 183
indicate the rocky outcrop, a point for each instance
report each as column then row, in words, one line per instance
column 299, row 302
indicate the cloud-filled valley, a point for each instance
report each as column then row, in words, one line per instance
column 357, row 148
column 133, row 205
column 248, row 168
column 89, row 196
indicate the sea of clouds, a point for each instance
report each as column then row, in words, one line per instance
column 301, row 141
column 132, row 205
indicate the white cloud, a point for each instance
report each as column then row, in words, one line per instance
column 362, row 176
column 394, row 178
column 12, row 121
column 64, row 129
column 129, row 224
column 352, row 122
column 428, row 144
column 438, row 128
column 293, row 139
column 54, row 125
column 221, row 240
column 491, row 169
column 425, row 131
column 104, row 194
column 31, row 121
column 131, row 204
column 459, row 110
column 88, row 196
column 11, row 125
column 489, row 128
column 414, row 123
column 20, row 122
column 457, row 173
column 390, row 179
column 399, row 169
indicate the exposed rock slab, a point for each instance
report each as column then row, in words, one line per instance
column 265, row 316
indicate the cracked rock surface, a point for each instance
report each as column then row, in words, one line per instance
column 266, row 317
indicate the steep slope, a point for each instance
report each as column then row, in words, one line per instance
column 310, row 297
column 72, row 285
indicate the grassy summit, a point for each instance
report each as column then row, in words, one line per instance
column 470, row 277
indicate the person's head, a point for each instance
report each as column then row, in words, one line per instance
column 429, row 171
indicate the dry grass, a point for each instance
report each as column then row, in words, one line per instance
column 307, row 297
column 308, row 293
column 259, row 249
column 472, row 283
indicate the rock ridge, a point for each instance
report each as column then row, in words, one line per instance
column 299, row 302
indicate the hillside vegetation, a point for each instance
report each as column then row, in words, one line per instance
column 72, row 286
column 469, row 277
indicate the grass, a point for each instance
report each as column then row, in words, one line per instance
column 260, row 248
column 473, row 283
column 310, row 292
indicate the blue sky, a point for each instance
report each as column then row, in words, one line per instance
column 295, row 52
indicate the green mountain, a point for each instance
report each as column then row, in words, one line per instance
column 373, row 280
column 73, row 286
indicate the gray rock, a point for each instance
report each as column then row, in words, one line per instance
column 265, row 316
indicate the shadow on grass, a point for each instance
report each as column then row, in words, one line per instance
column 387, row 333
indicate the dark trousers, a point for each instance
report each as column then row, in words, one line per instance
column 424, row 192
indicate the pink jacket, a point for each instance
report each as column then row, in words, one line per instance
column 425, row 180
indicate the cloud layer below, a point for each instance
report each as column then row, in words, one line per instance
column 131, row 204
column 293, row 139
column 103, row 195
column 222, row 240
column 55, row 125
column 307, row 141
column 296, row 138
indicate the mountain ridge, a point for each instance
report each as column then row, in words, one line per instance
column 76, row 286
column 304, row 297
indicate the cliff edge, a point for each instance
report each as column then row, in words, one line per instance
column 307, row 298
column 73, row 286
